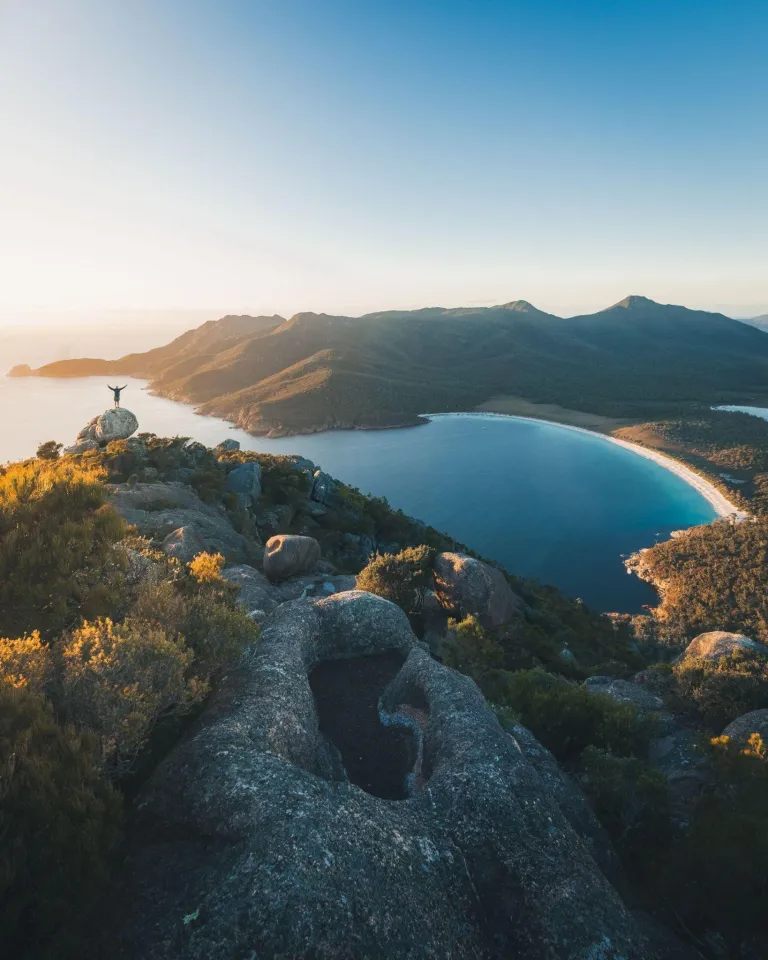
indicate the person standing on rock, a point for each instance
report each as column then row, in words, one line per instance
column 117, row 391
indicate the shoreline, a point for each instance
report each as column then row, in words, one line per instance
column 717, row 500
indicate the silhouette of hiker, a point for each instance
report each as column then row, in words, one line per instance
column 117, row 391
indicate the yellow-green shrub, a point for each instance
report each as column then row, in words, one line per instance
column 57, row 560
column 207, row 567
column 401, row 577
column 119, row 679
column 26, row 662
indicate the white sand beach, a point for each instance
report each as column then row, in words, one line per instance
column 721, row 504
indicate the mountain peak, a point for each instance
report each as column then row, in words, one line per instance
column 634, row 301
column 521, row 306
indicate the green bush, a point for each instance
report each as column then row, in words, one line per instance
column 50, row 450
column 717, row 875
column 402, row 578
column 472, row 649
column 631, row 801
column 567, row 719
column 58, row 820
column 118, row 680
column 725, row 688
column 214, row 626
column 57, row 560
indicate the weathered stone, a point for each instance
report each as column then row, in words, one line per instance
column 157, row 509
column 114, row 424
column 184, row 544
column 624, row 691
column 572, row 803
column 249, row 840
column 245, row 479
column 273, row 520
column 742, row 728
column 82, row 446
column 229, row 444
column 718, row 643
column 288, row 555
column 256, row 592
column 323, row 487
column 469, row 586
column 141, row 568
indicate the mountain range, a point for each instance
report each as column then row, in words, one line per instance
column 268, row 374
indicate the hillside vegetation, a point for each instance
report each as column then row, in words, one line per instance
column 637, row 359
column 110, row 647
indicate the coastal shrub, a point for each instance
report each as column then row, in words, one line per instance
column 215, row 627
column 402, row 578
column 26, row 662
column 117, row 680
column 207, row 567
column 715, row 578
column 725, row 688
column 717, row 875
column 472, row 648
column 631, row 801
column 58, row 820
column 566, row 718
column 57, row 560
column 50, row 450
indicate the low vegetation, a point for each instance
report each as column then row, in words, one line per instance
column 102, row 641
column 107, row 647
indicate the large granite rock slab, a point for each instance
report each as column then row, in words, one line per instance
column 252, row 838
column 470, row 586
column 159, row 509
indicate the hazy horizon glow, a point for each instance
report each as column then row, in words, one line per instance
column 344, row 157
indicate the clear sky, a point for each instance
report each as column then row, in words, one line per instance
column 352, row 155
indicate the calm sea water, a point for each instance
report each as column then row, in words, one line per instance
column 547, row 502
column 761, row 412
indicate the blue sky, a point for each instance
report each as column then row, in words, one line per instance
column 349, row 156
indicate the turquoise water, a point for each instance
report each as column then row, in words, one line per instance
column 545, row 501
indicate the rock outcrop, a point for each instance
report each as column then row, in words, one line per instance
column 184, row 544
column 158, row 510
column 718, row 643
column 288, row 555
column 229, row 444
column 114, row 424
column 245, row 480
column 273, row 831
column 742, row 728
column 260, row 596
column 470, row 586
